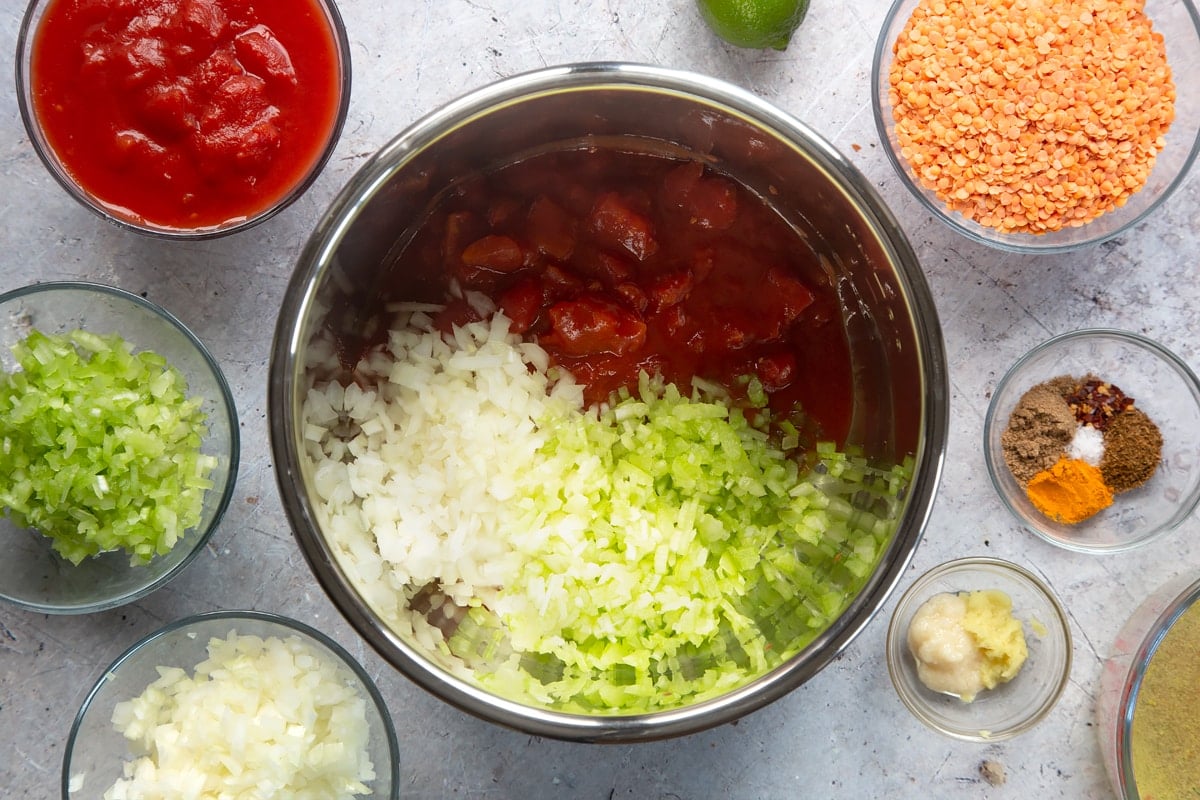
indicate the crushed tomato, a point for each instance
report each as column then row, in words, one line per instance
column 186, row 114
column 617, row 263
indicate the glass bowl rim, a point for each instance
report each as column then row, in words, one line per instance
column 225, row 402
column 1135, row 678
column 993, row 461
column 296, row 626
column 893, row 647
column 24, row 46
column 1013, row 243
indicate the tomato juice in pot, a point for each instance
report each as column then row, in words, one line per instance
column 619, row 262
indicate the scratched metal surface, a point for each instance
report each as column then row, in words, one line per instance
column 842, row 735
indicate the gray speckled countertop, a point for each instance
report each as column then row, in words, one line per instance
column 844, row 734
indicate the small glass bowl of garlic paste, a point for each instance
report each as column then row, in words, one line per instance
column 1015, row 702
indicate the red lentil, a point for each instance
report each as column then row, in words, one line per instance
column 1031, row 115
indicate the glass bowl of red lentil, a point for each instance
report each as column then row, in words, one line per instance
column 1092, row 440
column 207, row 122
column 1039, row 130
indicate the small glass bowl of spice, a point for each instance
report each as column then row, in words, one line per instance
column 1043, row 126
column 1092, row 440
column 979, row 649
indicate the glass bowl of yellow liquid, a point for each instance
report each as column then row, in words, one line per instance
column 1148, row 726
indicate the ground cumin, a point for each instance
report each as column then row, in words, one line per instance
column 1031, row 115
column 1070, row 491
column 1132, row 449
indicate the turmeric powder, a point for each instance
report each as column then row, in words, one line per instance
column 1070, row 491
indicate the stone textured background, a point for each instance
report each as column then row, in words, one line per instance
column 842, row 735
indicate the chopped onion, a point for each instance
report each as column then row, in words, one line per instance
column 260, row 719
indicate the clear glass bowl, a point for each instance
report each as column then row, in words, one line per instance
column 96, row 751
column 1162, row 385
column 1121, row 680
column 1010, row 708
column 32, row 575
column 128, row 218
column 1179, row 24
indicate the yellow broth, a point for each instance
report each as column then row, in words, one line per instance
column 1166, row 724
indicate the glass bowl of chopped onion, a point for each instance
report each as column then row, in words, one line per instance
column 1092, row 440
column 576, row 413
column 122, row 447
column 232, row 704
column 1027, row 132
column 979, row 649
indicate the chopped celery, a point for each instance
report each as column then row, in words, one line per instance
column 101, row 446
column 687, row 553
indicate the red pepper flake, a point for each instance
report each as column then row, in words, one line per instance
column 1096, row 402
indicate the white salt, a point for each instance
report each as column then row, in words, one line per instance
column 1087, row 445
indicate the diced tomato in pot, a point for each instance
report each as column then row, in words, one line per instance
column 522, row 303
column 674, row 320
column 615, row 223
column 679, row 182
column 669, row 289
column 551, row 230
column 503, row 210
column 632, row 296
column 592, row 324
column 497, row 253
column 703, row 261
column 776, row 370
column 609, row 268
column 708, row 201
column 792, row 295
column 455, row 233
column 712, row 204
column 559, row 283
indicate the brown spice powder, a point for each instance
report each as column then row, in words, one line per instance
column 1039, row 429
column 1132, row 450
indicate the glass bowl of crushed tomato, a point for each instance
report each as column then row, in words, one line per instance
column 229, row 704
column 577, row 415
column 1039, row 132
column 121, row 447
column 183, row 120
column 1091, row 440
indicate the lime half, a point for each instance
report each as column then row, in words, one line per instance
column 754, row 23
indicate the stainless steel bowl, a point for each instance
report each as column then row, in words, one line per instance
column 890, row 319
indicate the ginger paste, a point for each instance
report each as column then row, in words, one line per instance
column 967, row 642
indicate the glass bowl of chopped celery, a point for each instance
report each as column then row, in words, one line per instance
column 121, row 447
column 1032, row 133
column 577, row 413
column 232, row 704
column 1092, row 440
column 979, row 649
